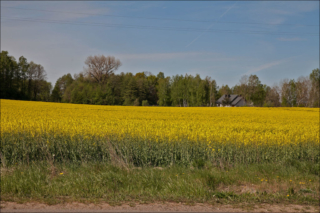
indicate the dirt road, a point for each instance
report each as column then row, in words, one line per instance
column 154, row 207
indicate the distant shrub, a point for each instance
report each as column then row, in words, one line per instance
column 145, row 103
column 268, row 104
column 136, row 102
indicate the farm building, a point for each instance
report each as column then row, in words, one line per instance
column 231, row 100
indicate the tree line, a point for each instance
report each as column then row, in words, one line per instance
column 99, row 84
column 21, row 80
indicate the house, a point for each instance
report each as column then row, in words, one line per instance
column 231, row 100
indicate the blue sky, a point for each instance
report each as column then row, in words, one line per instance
column 223, row 40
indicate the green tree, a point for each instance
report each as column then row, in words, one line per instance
column 23, row 66
column 179, row 95
column 130, row 90
column 160, row 75
column 8, row 72
column 226, row 101
column 315, row 88
column 60, row 87
column 164, row 91
column 21, row 80
column 145, row 103
column 212, row 92
column 259, row 95
column 225, row 90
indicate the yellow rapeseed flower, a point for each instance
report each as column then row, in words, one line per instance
column 279, row 126
column 214, row 127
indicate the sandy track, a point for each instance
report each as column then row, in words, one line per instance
column 154, row 207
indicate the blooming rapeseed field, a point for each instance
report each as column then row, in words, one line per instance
column 157, row 135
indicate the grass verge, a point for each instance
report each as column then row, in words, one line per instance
column 290, row 182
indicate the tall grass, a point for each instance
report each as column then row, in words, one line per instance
column 25, row 148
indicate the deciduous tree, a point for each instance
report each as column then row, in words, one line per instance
column 99, row 68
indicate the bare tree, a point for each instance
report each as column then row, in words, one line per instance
column 244, row 80
column 273, row 96
column 282, row 88
column 40, row 73
column 288, row 92
column 243, row 87
column 100, row 67
column 303, row 87
column 277, row 88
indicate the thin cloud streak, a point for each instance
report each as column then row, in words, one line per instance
column 266, row 66
column 211, row 25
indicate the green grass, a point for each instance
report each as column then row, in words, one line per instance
column 23, row 147
column 56, row 169
column 203, row 182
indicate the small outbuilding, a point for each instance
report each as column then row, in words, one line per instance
column 231, row 101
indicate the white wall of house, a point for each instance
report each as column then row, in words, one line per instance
column 224, row 106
